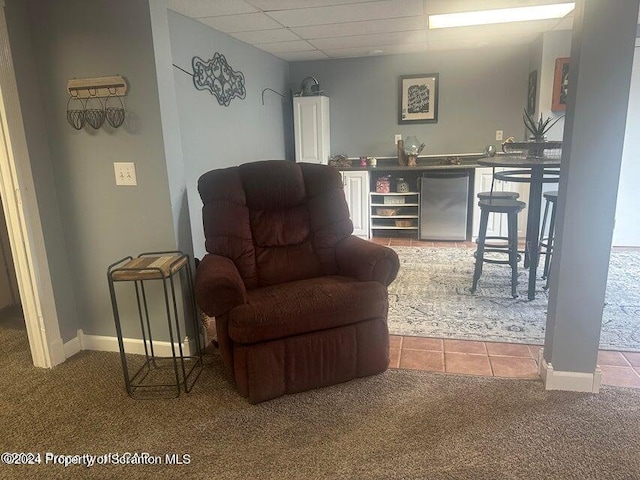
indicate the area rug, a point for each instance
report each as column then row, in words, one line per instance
column 431, row 297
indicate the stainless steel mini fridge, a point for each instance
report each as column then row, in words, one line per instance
column 444, row 199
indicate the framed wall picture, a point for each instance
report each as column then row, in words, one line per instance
column 560, row 84
column 418, row 98
column 531, row 97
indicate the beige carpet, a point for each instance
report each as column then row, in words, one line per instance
column 398, row 425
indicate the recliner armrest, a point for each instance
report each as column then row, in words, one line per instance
column 219, row 286
column 367, row 261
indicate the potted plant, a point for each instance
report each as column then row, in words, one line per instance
column 538, row 131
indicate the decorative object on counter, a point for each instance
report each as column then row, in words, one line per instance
column 363, row 161
column 217, row 76
column 383, row 185
column 489, row 151
column 412, row 148
column 402, row 186
column 451, row 161
column 373, row 161
column 339, row 160
column 418, row 98
column 309, row 87
column 560, row 84
column 87, row 102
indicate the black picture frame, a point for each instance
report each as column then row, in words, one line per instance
column 532, row 92
column 418, row 98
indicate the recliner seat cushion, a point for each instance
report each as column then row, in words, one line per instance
column 305, row 306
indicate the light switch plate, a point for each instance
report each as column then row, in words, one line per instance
column 125, row 173
column 499, row 134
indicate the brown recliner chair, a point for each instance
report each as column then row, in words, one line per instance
column 299, row 302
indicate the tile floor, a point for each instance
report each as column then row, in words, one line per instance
column 511, row 360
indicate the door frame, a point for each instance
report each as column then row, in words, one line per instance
column 22, row 216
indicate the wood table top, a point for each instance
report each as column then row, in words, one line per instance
column 149, row 267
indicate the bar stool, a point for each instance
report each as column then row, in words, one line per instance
column 511, row 208
column 504, row 196
column 551, row 200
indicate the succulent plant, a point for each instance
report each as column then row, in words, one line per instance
column 540, row 127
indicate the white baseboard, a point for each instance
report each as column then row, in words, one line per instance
column 57, row 352
column 568, row 381
column 131, row 345
column 73, row 346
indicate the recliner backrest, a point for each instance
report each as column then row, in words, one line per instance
column 277, row 220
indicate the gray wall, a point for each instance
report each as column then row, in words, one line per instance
column 481, row 91
column 214, row 136
column 100, row 221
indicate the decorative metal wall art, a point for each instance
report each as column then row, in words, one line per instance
column 217, row 76
column 93, row 100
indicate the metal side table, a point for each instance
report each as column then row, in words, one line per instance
column 159, row 376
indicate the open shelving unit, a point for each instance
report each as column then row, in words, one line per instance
column 407, row 216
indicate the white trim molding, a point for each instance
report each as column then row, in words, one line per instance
column 105, row 343
column 568, row 381
column 23, row 220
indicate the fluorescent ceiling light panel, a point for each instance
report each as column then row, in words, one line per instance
column 503, row 15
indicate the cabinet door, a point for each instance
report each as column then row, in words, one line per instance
column 311, row 129
column 356, row 191
column 482, row 183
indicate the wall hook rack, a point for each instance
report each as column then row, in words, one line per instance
column 100, row 87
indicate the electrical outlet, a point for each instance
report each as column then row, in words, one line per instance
column 398, row 137
column 125, row 173
column 499, row 134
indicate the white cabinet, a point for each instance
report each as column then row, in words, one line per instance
column 356, row 191
column 498, row 223
column 312, row 129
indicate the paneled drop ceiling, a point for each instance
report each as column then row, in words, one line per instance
column 315, row 29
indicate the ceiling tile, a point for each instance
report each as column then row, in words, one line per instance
column 395, row 38
column 480, row 42
column 210, row 8
column 348, row 13
column 301, row 56
column 266, row 36
column 386, row 50
column 268, row 5
column 361, row 28
column 241, row 23
column 279, row 47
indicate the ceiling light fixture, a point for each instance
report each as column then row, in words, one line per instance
column 503, row 15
